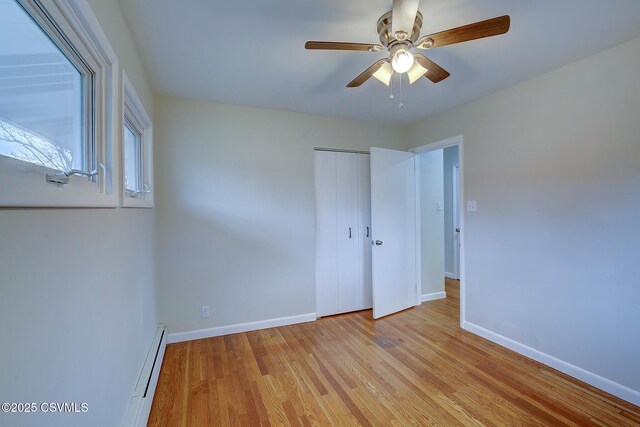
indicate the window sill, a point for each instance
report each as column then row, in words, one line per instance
column 24, row 186
column 141, row 201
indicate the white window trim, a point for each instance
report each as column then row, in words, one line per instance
column 24, row 184
column 131, row 104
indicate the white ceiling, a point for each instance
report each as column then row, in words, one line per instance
column 252, row 52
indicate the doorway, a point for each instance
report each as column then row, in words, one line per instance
column 439, row 193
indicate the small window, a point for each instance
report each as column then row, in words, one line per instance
column 45, row 96
column 133, row 176
column 137, row 154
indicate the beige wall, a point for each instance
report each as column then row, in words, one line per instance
column 552, row 252
column 77, row 295
column 236, row 208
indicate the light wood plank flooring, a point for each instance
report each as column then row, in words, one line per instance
column 413, row 368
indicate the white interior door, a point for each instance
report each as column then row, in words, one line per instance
column 393, row 224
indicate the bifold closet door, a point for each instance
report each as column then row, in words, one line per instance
column 348, row 232
column 343, row 230
column 326, row 186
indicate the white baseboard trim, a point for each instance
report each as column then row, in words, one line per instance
column 450, row 275
column 240, row 327
column 588, row 377
column 433, row 296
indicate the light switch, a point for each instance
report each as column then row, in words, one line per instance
column 472, row 206
column 439, row 206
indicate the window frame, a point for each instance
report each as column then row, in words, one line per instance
column 137, row 132
column 133, row 111
column 75, row 30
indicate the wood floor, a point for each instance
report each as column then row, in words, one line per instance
column 413, row 368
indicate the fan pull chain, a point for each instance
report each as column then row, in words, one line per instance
column 400, row 105
column 391, row 95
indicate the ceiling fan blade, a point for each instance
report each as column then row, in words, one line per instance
column 479, row 30
column 367, row 74
column 365, row 47
column 435, row 73
column 404, row 16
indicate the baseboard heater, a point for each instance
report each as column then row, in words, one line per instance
column 140, row 406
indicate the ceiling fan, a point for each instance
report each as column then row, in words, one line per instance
column 399, row 32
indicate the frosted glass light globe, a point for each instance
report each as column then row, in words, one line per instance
column 402, row 61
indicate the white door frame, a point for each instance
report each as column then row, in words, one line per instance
column 445, row 143
column 455, row 185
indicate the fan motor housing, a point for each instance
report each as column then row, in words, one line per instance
column 384, row 29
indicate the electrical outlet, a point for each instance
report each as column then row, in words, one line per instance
column 472, row 206
column 204, row 311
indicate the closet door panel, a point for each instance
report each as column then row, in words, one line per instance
column 347, row 232
column 364, row 243
column 326, row 237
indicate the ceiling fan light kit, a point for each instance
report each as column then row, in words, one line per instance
column 399, row 33
column 402, row 59
column 385, row 73
column 416, row 72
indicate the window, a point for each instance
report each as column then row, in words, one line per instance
column 43, row 109
column 56, row 106
column 133, row 178
column 137, row 154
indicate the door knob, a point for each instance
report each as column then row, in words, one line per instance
column 457, row 230
column 378, row 242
